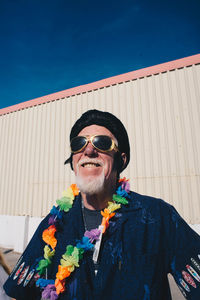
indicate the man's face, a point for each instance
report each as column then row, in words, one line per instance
column 92, row 167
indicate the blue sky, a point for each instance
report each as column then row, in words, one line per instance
column 48, row 46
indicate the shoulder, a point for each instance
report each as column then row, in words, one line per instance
column 154, row 206
column 148, row 201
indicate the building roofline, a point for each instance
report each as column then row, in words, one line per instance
column 164, row 67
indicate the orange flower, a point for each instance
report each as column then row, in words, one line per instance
column 123, row 179
column 48, row 236
column 62, row 273
column 60, row 286
column 74, row 189
column 106, row 217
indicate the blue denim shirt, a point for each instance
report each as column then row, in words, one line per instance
column 146, row 240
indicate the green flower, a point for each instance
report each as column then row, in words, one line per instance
column 69, row 251
column 64, row 203
column 42, row 266
column 119, row 199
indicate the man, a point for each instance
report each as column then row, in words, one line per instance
column 106, row 242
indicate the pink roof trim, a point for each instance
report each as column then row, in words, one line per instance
column 175, row 64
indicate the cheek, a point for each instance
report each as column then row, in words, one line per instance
column 108, row 167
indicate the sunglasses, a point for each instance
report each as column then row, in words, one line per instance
column 103, row 143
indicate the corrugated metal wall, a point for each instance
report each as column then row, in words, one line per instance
column 162, row 115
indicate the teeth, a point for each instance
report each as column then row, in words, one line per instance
column 90, row 165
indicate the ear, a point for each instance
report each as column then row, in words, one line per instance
column 124, row 160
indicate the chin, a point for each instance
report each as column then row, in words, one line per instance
column 90, row 185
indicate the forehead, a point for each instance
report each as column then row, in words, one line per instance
column 96, row 130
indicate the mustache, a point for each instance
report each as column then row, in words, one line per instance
column 90, row 160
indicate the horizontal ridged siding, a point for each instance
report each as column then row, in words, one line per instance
column 162, row 115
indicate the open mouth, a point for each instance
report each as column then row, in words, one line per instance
column 90, row 165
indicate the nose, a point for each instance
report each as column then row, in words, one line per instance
column 90, row 150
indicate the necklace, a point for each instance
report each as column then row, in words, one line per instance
column 52, row 288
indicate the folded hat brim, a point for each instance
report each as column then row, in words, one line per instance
column 67, row 161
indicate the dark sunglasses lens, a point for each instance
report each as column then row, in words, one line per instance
column 102, row 142
column 78, row 143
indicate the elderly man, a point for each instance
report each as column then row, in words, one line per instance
column 106, row 242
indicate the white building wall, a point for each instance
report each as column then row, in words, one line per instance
column 162, row 115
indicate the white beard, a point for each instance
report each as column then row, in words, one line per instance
column 90, row 186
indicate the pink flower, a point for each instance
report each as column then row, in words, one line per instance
column 125, row 186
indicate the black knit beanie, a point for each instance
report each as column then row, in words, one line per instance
column 108, row 120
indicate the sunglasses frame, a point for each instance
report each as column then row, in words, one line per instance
column 88, row 138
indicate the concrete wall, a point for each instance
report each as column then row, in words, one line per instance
column 16, row 231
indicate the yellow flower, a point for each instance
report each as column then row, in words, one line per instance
column 69, row 262
column 48, row 254
column 69, row 194
column 113, row 206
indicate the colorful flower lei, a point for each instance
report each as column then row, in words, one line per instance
column 70, row 259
